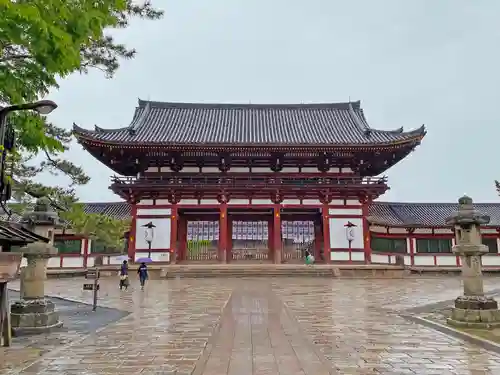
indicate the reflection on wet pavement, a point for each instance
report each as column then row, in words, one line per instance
column 259, row 326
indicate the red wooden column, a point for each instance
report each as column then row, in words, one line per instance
column 174, row 251
column 270, row 238
column 366, row 229
column 133, row 231
column 326, row 234
column 182, row 223
column 317, row 242
column 223, row 233
column 277, row 234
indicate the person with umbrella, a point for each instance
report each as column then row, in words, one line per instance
column 142, row 271
column 124, row 275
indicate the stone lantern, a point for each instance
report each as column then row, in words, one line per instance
column 473, row 309
column 34, row 313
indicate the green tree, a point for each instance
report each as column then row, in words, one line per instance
column 105, row 229
column 42, row 41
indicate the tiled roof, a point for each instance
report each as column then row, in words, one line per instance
column 383, row 213
column 121, row 210
column 249, row 124
column 425, row 214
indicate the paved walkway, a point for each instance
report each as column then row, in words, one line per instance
column 306, row 326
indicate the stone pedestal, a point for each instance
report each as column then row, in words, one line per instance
column 473, row 309
column 33, row 313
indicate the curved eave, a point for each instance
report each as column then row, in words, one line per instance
column 88, row 137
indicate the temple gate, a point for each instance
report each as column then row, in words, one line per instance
column 224, row 159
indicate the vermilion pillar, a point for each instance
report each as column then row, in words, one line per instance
column 182, row 224
column 174, row 251
column 277, row 234
column 366, row 231
column 131, row 237
column 223, row 232
column 270, row 238
column 326, row 234
column 317, row 242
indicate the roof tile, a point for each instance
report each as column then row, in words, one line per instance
column 249, row 124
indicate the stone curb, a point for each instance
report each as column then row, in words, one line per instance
column 75, row 300
column 479, row 341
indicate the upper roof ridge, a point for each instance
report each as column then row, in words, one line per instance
column 335, row 105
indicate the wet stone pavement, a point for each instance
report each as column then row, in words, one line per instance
column 280, row 326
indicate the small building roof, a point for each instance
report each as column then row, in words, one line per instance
column 398, row 214
column 425, row 214
column 162, row 123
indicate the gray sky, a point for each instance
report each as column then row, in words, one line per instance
column 409, row 62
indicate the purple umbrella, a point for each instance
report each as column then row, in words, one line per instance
column 143, row 260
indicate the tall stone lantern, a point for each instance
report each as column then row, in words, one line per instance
column 473, row 309
column 34, row 313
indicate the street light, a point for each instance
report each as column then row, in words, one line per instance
column 43, row 107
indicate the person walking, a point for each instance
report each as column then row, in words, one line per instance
column 124, row 275
column 142, row 271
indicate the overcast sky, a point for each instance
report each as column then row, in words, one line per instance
column 432, row 62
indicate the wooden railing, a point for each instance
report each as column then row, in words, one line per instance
column 248, row 181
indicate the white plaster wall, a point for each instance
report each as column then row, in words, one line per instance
column 424, row 260
column 422, row 231
column 239, row 201
column 208, row 201
column 115, row 260
column 442, row 231
column 380, row 258
column 446, row 260
column 54, row 262
column 290, row 201
column 358, row 256
column 377, row 229
column 160, row 202
column 161, row 234
column 337, row 202
column 160, row 257
column 346, row 211
column 489, row 230
column 311, row 202
column 90, row 262
column 188, row 201
column 407, row 259
column 262, row 201
column 352, row 202
column 309, row 170
column 145, row 202
column 338, row 238
column 72, row 262
column 491, row 260
column 339, row 256
column 154, row 211
column 397, row 231
column 141, row 254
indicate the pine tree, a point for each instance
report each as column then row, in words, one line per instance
column 41, row 42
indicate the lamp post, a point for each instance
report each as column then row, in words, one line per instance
column 149, row 235
column 43, row 107
column 350, row 234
